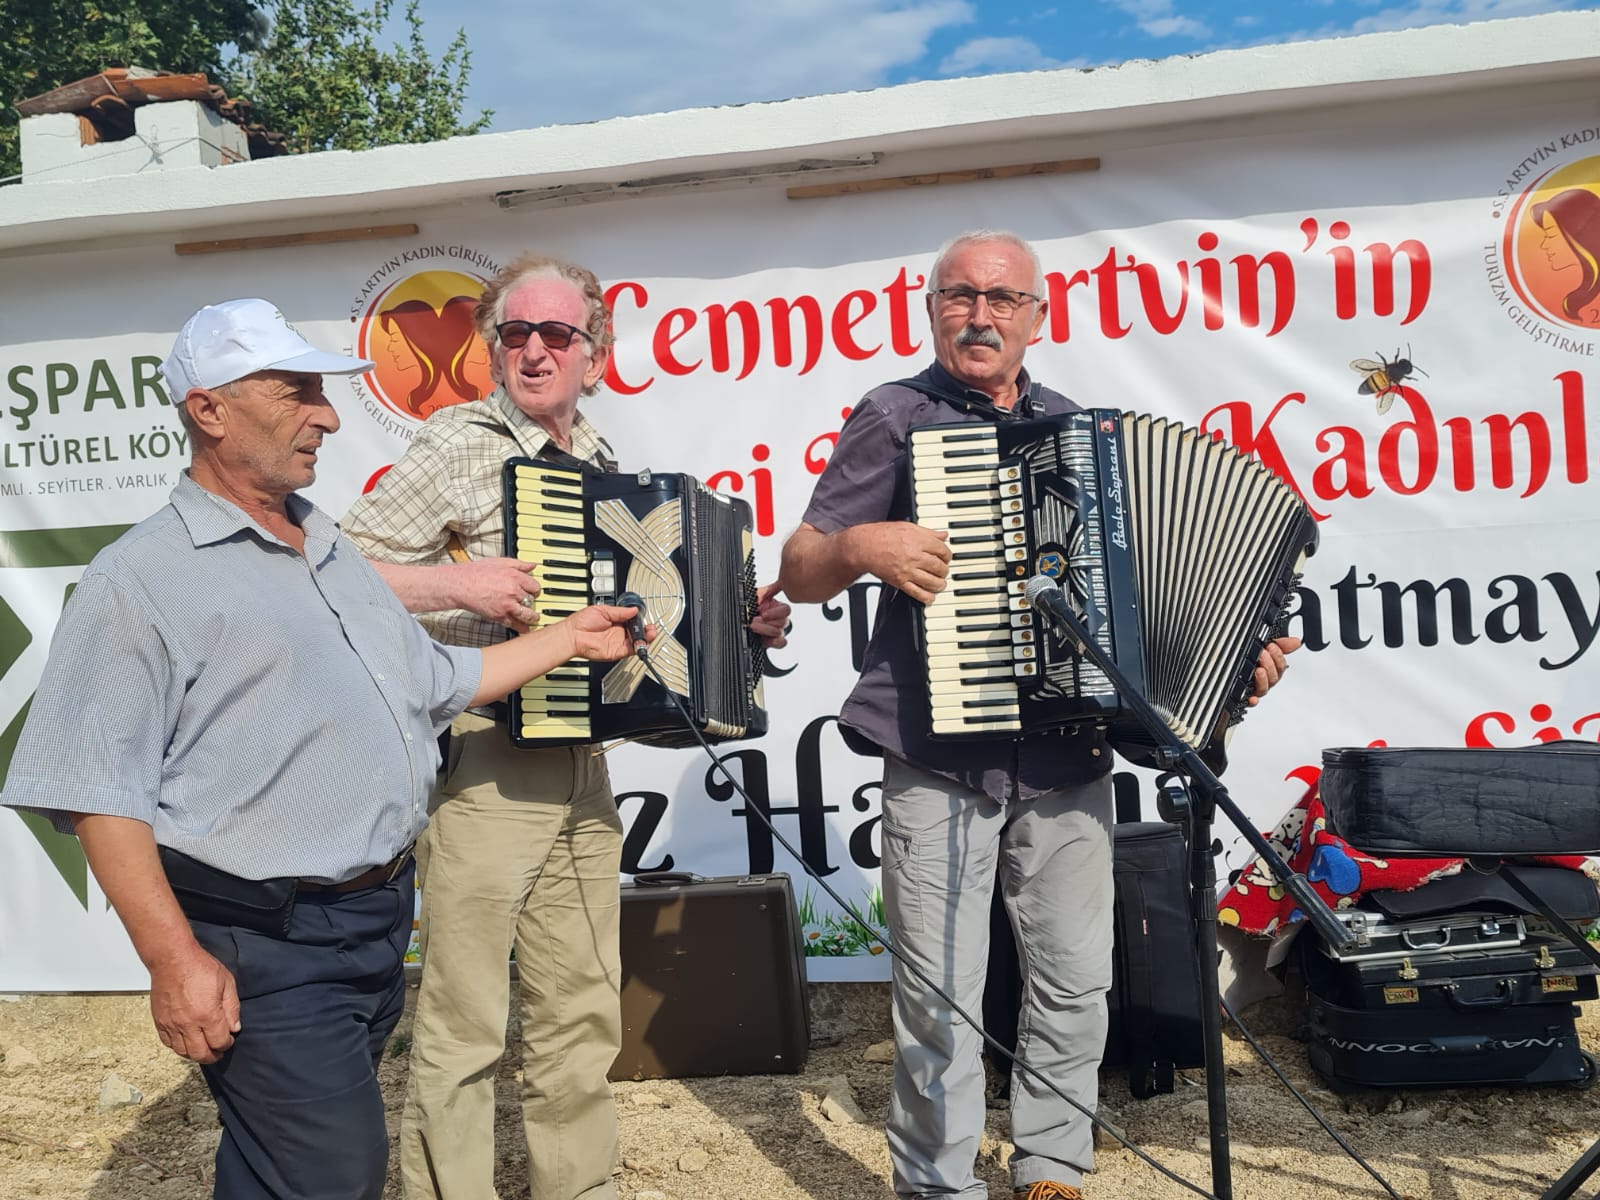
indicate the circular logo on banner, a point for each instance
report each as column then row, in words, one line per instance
column 416, row 327
column 1551, row 245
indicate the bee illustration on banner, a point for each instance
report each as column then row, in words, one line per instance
column 1383, row 378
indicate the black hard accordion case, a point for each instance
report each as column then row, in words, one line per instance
column 1457, row 802
column 688, row 553
column 1178, row 552
column 1474, row 988
column 713, row 977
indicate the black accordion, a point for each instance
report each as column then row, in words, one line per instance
column 687, row 552
column 1178, row 552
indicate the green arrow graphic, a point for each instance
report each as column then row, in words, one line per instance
column 46, row 548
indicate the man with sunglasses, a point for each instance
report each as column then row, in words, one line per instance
column 524, row 846
column 1037, row 809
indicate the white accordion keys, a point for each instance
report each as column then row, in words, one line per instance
column 977, row 633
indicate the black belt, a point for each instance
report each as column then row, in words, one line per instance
column 377, row 876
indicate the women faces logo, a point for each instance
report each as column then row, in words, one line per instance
column 419, row 333
column 1551, row 247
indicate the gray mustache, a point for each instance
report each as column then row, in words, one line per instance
column 971, row 335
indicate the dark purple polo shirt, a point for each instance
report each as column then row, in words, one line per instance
column 866, row 481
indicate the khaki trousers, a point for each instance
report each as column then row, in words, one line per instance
column 522, row 850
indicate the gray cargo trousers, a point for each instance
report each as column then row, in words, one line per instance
column 942, row 844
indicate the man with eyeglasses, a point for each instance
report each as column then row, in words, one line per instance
column 524, row 847
column 1037, row 809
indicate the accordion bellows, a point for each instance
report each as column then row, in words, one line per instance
column 1178, row 552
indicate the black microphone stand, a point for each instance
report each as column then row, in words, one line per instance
column 1193, row 805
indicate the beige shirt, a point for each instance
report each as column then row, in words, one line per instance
column 449, row 481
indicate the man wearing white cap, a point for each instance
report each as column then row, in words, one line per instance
column 253, row 719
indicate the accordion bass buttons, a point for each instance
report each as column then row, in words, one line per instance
column 603, row 579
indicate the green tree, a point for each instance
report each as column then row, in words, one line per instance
column 321, row 78
column 46, row 43
column 313, row 70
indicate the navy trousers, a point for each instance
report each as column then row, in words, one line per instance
column 302, row 1116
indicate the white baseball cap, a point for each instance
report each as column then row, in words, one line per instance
column 227, row 341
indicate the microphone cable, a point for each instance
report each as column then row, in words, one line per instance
column 643, row 654
column 1047, row 596
column 1300, row 1098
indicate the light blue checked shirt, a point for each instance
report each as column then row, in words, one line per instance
column 267, row 712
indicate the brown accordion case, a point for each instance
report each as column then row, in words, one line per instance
column 713, row 977
column 1456, row 802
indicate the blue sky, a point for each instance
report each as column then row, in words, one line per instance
column 543, row 64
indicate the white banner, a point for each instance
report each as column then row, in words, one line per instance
column 1403, row 327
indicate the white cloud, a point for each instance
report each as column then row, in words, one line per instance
column 1411, row 14
column 619, row 57
column 985, row 54
column 1159, row 18
column 1435, row 12
column 1175, row 27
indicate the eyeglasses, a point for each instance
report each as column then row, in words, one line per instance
column 556, row 335
column 1002, row 301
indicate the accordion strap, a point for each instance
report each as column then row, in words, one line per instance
column 562, row 459
column 986, row 409
column 559, row 457
column 453, row 544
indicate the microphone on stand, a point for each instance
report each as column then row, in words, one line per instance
column 1047, row 599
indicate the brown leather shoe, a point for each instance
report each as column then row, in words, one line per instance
column 1047, row 1189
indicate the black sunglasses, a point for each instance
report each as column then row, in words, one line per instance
column 556, row 335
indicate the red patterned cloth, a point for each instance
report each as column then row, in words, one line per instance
column 1257, row 903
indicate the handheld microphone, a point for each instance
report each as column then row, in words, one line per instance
column 636, row 622
column 1047, row 599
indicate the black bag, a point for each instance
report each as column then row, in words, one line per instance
column 218, row 898
column 1154, row 1006
column 1569, row 893
column 1446, row 1047
column 1455, row 802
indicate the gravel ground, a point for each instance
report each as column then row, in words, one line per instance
column 67, row 1057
